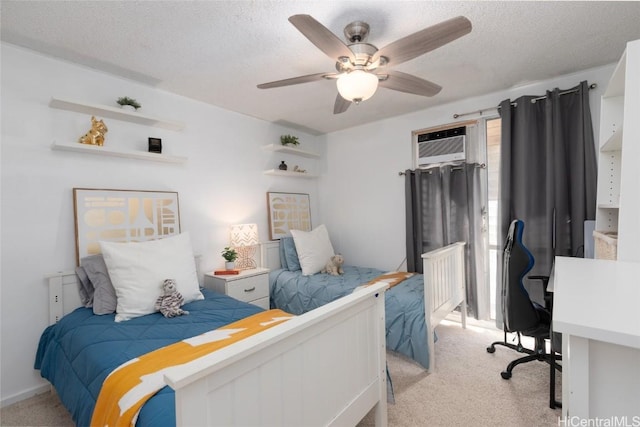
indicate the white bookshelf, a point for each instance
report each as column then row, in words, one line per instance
column 618, row 195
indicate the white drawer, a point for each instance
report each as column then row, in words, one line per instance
column 262, row 302
column 250, row 288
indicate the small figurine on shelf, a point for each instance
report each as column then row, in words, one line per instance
column 95, row 136
column 297, row 169
column 283, row 166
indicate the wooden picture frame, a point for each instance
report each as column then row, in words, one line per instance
column 288, row 211
column 122, row 216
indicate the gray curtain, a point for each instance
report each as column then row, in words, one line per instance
column 444, row 204
column 548, row 173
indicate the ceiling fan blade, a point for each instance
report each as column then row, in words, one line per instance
column 341, row 105
column 407, row 83
column 424, row 41
column 295, row 80
column 320, row 36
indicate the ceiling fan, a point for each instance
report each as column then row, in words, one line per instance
column 362, row 67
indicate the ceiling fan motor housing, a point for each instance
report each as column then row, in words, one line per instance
column 356, row 31
column 363, row 53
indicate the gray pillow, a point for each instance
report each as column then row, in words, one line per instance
column 291, row 254
column 104, row 294
column 85, row 287
column 283, row 258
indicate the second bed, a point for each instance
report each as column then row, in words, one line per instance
column 409, row 327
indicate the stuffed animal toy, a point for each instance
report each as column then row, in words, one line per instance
column 334, row 265
column 170, row 301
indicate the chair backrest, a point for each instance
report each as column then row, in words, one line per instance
column 518, row 311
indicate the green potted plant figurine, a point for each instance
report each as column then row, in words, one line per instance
column 230, row 255
column 289, row 140
column 128, row 103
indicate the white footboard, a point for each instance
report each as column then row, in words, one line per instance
column 325, row 367
column 444, row 289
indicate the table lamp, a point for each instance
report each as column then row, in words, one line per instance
column 244, row 238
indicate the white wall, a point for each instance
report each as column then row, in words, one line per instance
column 221, row 183
column 362, row 195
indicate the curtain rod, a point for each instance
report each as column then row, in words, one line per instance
column 591, row 86
column 533, row 101
column 455, row 167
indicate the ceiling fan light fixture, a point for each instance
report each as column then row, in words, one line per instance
column 357, row 85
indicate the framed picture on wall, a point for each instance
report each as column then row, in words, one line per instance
column 122, row 215
column 288, row 211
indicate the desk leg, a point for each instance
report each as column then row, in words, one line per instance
column 575, row 376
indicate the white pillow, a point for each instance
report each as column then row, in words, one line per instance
column 314, row 249
column 137, row 271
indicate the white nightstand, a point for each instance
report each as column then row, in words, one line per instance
column 250, row 285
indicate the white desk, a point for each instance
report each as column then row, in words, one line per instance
column 597, row 309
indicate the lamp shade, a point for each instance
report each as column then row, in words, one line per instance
column 357, row 85
column 244, row 235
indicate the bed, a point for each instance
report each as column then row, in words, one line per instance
column 306, row 371
column 408, row 331
column 298, row 370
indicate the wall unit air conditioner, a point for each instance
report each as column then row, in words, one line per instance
column 441, row 146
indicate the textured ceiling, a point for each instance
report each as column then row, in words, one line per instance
column 218, row 51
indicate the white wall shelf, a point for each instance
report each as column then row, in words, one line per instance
column 614, row 143
column 291, row 150
column 288, row 174
column 115, row 113
column 114, row 152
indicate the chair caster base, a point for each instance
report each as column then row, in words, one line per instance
column 505, row 375
column 491, row 349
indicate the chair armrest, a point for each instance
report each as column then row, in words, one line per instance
column 545, row 279
column 548, row 296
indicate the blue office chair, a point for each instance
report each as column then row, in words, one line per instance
column 521, row 314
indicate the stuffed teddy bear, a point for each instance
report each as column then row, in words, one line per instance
column 170, row 301
column 334, row 265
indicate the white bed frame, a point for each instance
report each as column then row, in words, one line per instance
column 444, row 289
column 323, row 368
column 444, row 285
column 326, row 367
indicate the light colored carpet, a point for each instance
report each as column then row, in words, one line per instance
column 465, row 390
column 41, row 410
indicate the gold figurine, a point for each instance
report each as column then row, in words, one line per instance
column 95, row 136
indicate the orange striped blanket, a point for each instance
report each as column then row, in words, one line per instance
column 128, row 387
column 392, row 278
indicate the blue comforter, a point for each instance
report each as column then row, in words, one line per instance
column 78, row 352
column 404, row 304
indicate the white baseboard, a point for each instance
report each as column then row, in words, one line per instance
column 45, row 388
